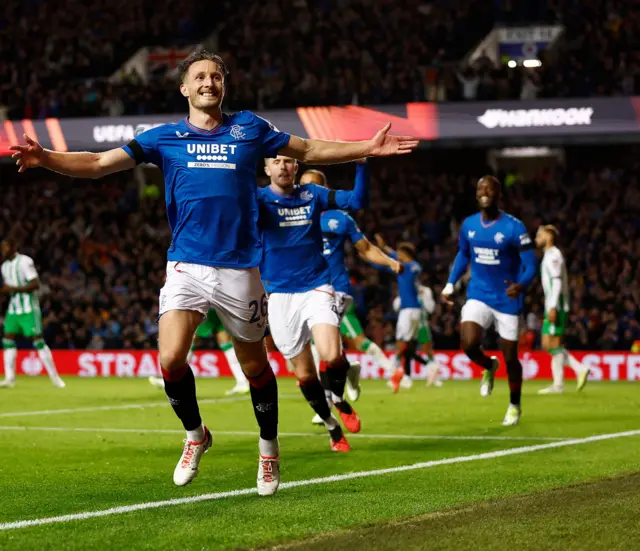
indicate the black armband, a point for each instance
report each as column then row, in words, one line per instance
column 332, row 200
column 136, row 149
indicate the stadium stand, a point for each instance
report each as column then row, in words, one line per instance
column 339, row 52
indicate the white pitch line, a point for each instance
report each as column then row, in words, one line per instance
column 131, row 406
column 153, row 405
column 109, row 408
column 313, row 481
column 286, row 434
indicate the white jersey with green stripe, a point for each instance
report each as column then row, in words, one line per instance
column 554, row 267
column 16, row 272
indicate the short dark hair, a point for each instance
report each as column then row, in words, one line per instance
column 492, row 179
column 317, row 173
column 408, row 248
column 202, row 55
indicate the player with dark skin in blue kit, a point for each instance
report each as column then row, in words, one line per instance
column 503, row 264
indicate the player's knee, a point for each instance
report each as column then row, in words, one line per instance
column 469, row 346
column 332, row 354
column 306, row 376
column 514, row 368
column 253, row 367
column 172, row 360
column 510, row 355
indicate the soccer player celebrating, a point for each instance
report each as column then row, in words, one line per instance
column 503, row 264
column 209, row 162
column 337, row 227
column 555, row 284
column 302, row 303
column 410, row 312
column 21, row 283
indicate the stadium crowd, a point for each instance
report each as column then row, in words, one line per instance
column 338, row 52
column 100, row 248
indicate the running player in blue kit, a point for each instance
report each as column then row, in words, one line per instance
column 409, row 317
column 338, row 226
column 209, row 162
column 302, row 302
column 503, row 264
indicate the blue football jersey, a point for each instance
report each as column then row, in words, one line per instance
column 499, row 251
column 210, row 186
column 337, row 227
column 408, row 283
column 292, row 235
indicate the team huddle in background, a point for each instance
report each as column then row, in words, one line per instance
column 269, row 263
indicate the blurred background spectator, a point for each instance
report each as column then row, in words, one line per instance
column 56, row 57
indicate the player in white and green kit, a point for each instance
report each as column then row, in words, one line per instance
column 20, row 281
column 553, row 272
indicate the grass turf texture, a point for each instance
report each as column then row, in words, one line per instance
column 49, row 473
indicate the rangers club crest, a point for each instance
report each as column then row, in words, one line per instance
column 237, row 132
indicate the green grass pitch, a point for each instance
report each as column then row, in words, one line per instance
column 473, row 484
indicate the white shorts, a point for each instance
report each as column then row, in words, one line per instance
column 507, row 325
column 343, row 302
column 237, row 296
column 292, row 315
column 408, row 324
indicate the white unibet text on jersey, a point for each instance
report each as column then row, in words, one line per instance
column 205, row 152
column 298, row 216
column 487, row 256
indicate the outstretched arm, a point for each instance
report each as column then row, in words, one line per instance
column 332, row 152
column 370, row 253
column 76, row 165
column 358, row 198
column 383, row 245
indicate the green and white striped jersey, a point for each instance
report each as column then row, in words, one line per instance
column 553, row 267
column 15, row 273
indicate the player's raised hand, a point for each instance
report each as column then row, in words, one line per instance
column 28, row 155
column 447, row 294
column 384, row 144
column 380, row 240
column 396, row 267
column 514, row 290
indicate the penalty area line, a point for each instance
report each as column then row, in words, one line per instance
column 310, row 482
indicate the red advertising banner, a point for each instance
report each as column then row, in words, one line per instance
column 605, row 366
